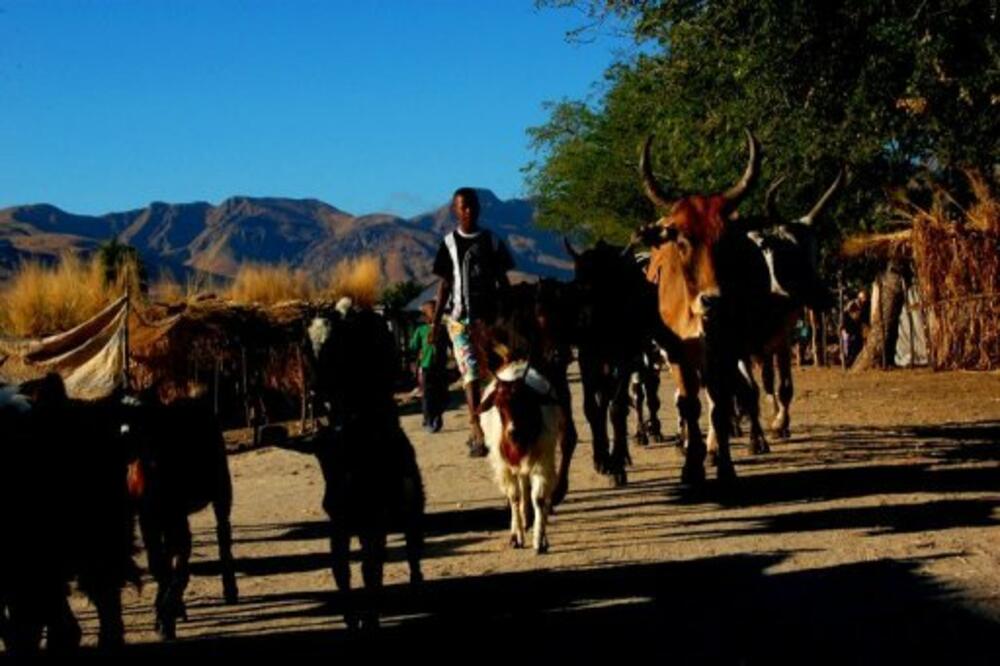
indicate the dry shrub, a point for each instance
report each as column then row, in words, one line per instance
column 359, row 279
column 41, row 299
column 890, row 245
column 956, row 254
column 269, row 284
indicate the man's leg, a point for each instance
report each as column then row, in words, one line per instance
column 468, row 365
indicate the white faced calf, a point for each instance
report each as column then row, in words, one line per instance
column 524, row 425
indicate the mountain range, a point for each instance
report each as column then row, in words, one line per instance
column 304, row 233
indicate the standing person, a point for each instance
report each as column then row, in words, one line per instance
column 472, row 263
column 430, row 369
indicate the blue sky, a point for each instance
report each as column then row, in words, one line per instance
column 371, row 106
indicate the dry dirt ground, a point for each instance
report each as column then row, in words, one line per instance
column 872, row 536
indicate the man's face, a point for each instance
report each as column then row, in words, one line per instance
column 464, row 213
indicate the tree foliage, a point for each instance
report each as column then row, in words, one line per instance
column 892, row 89
column 397, row 296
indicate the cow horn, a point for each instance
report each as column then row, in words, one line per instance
column 737, row 191
column 811, row 216
column 569, row 248
column 652, row 188
column 769, row 199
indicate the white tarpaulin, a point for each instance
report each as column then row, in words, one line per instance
column 90, row 357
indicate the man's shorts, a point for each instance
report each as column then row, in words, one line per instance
column 469, row 340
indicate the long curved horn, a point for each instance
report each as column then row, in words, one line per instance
column 737, row 191
column 769, row 199
column 652, row 188
column 569, row 248
column 810, row 217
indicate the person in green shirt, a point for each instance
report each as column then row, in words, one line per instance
column 430, row 370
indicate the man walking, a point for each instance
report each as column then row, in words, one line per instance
column 472, row 263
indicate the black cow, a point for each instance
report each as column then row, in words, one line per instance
column 180, row 468
column 617, row 316
column 65, row 515
column 372, row 480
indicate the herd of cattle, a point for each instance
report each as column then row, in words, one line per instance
column 716, row 293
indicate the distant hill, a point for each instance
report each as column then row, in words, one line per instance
column 306, row 233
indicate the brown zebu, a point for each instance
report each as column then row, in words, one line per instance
column 713, row 293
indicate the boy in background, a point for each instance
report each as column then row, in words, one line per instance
column 430, row 370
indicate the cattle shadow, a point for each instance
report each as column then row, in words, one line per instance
column 436, row 524
column 727, row 610
column 272, row 565
column 877, row 520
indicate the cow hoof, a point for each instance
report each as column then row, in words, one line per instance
column 712, row 458
column 416, row 577
column 166, row 627
column 559, row 494
column 620, row 478
column 726, row 473
column 516, row 541
column 601, row 466
column 784, row 433
column 658, row 437
column 641, row 439
column 692, row 475
column 758, row 446
column 542, row 548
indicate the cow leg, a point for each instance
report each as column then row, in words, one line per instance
column 413, row 510
column 689, row 408
column 637, row 397
column 767, row 379
column 26, row 620
column 620, row 457
column 567, row 445
column 681, row 438
column 372, row 567
column 595, row 407
column 719, row 388
column 540, row 488
column 785, row 392
column 178, row 549
column 108, row 601
column 63, row 633
column 224, row 537
column 711, row 441
column 513, row 486
column 748, row 395
column 652, row 389
column 158, row 561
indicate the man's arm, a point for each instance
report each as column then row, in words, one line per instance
column 443, row 292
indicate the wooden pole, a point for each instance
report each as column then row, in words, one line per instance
column 215, row 387
column 305, row 389
column 840, row 319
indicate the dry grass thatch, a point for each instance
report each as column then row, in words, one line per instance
column 41, row 299
column 359, row 279
column 956, row 256
column 269, row 284
column 892, row 245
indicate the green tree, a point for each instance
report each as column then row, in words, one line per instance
column 396, row 297
column 894, row 90
column 122, row 263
